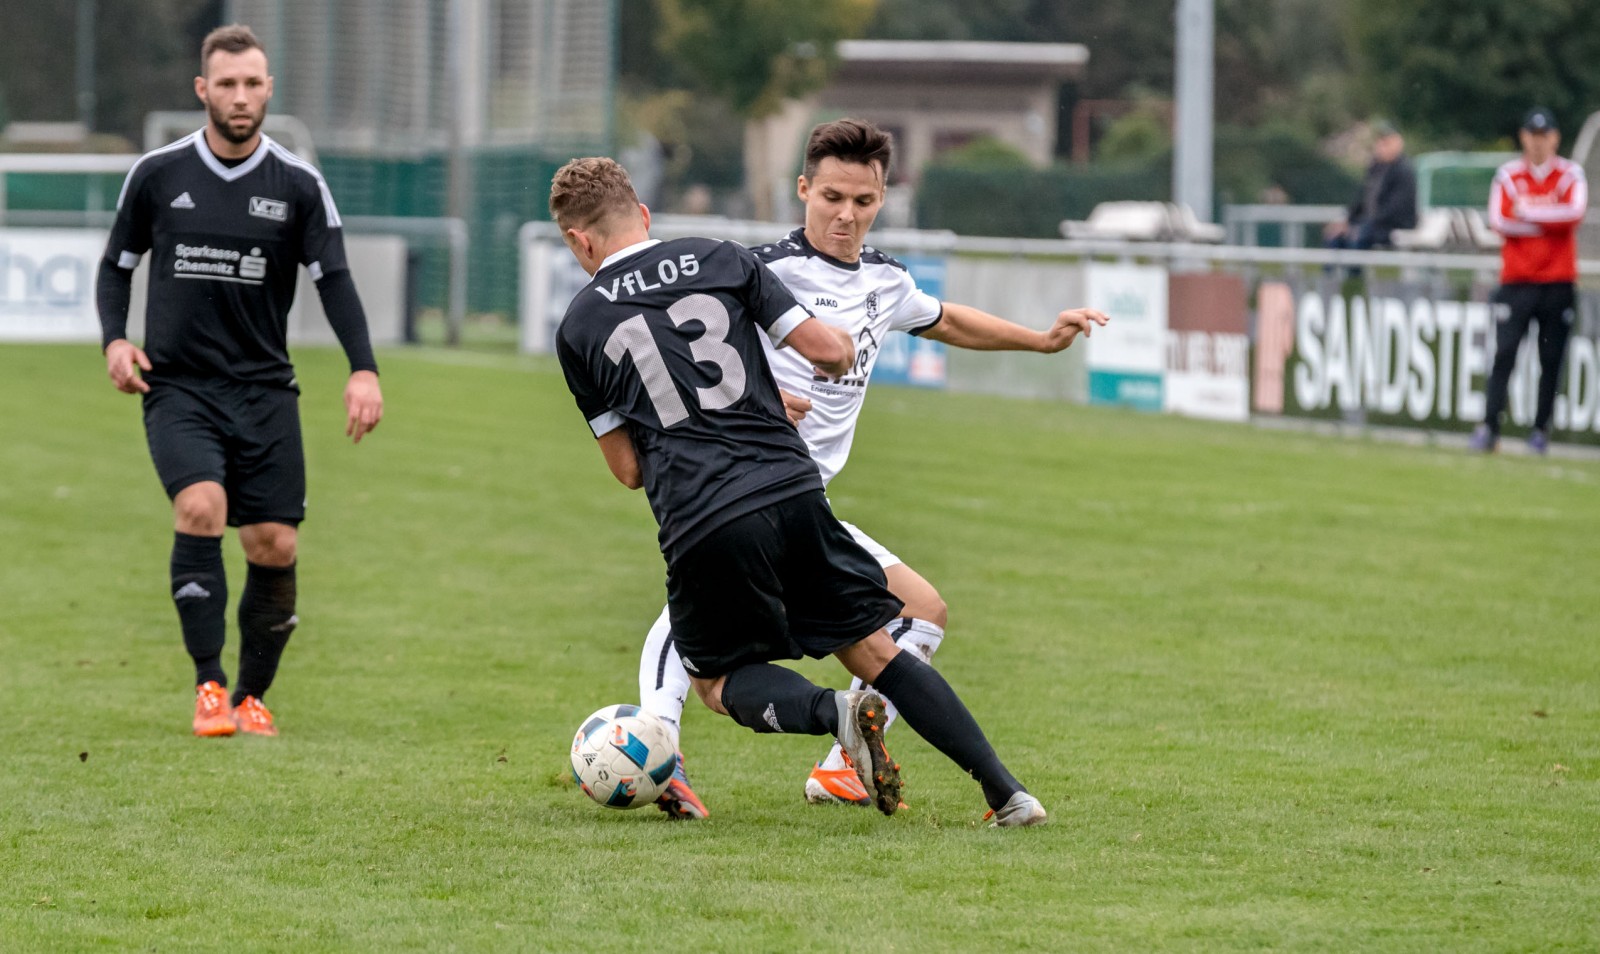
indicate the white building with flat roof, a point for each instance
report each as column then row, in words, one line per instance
column 933, row 95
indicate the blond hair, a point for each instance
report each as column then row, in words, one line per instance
column 588, row 193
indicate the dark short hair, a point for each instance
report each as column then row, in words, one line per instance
column 586, row 192
column 849, row 140
column 233, row 38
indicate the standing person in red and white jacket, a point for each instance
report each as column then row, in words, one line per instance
column 1537, row 203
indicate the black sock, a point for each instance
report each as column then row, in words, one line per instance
column 933, row 709
column 200, row 591
column 266, row 621
column 770, row 698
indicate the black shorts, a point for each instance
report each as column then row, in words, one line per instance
column 783, row 582
column 244, row 436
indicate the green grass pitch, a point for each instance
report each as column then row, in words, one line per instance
column 1278, row 691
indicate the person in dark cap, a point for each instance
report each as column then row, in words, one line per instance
column 1387, row 199
column 1537, row 203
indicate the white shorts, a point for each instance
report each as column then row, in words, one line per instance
column 879, row 552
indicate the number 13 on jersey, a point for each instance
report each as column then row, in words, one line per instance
column 633, row 338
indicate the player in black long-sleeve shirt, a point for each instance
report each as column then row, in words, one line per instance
column 228, row 217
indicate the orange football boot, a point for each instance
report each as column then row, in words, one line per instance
column 678, row 799
column 252, row 718
column 212, row 716
column 836, row 786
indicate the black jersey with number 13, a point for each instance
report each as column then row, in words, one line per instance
column 664, row 342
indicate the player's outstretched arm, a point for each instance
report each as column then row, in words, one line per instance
column 620, row 456
column 963, row 326
column 825, row 346
column 363, row 404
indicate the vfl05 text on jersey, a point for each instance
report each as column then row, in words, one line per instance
column 634, row 282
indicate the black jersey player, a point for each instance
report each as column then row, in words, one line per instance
column 661, row 352
column 228, row 217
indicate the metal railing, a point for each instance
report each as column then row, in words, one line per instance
column 451, row 233
column 913, row 240
column 64, row 164
column 1243, row 222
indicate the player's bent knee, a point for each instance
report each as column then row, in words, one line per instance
column 710, row 692
column 921, row 600
column 269, row 544
column 866, row 659
column 201, row 509
column 931, row 609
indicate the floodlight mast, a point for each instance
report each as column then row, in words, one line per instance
column 1194, row 76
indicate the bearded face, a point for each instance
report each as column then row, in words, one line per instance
column 235, row 90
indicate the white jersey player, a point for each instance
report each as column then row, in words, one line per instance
column 871, row 298
column 829, row 269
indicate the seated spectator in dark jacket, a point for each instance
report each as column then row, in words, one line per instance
column 1387, row 200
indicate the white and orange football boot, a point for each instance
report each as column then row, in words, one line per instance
column 836, row 787
column 212, row 717
column 1021, row 810
column 252, row 718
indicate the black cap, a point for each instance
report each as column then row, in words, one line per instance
column 1540, row 119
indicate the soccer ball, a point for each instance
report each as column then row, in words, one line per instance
column 623, row 757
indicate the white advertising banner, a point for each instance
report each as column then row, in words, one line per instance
column 1128, row 357
column 47, row 284
column 1209, row 376
column 549, row 279
column 47, row 279
column 1135, row 296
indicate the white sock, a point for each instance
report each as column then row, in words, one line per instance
column 663, row 682
column 920, row 637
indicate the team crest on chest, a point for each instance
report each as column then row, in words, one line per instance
column 275, row 209
column 872, row 306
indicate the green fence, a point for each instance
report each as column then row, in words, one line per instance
column 1457, row 179
column 1027, row 203
column 509, row 187
column 60, row 191
column 1031, row 203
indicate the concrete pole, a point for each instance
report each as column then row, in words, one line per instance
column 1192, row 144
column 85, row 64
column 465, row 24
